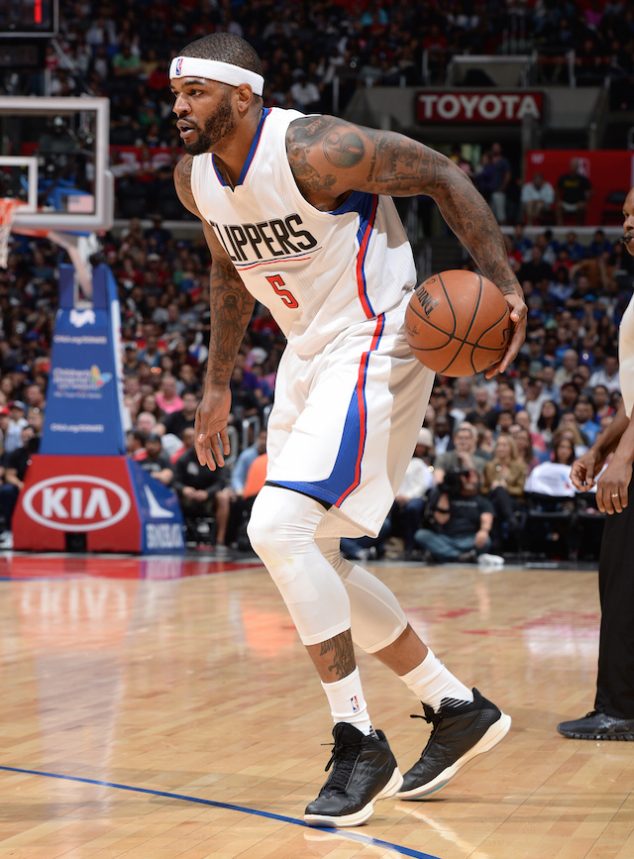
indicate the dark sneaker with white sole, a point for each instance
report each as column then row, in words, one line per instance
column 363, row 770
column 598, row 726
column 460, row 731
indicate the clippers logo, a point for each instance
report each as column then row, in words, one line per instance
column 76, row 502
column 179, row 66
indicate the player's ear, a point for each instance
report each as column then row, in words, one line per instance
column 244, row 98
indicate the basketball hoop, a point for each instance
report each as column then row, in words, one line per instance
column 8, row 206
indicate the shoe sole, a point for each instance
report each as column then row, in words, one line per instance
column 623, row 738
column 391, row 789
column 496, row 732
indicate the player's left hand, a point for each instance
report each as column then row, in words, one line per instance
column 612, row 487
column 518, row 312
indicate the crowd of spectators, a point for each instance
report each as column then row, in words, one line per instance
column 566, row 377
column 118, row 50
column 563, row 385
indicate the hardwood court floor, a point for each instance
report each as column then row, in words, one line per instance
column 150, row 711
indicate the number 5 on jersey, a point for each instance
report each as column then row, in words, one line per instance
column 288, row 299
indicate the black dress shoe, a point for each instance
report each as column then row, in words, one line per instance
column 598, row 726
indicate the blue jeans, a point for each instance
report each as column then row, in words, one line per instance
column 445, row 548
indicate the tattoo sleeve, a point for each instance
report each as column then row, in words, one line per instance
column 230, row 307
column 230, row 304
column 399, row 166
column 330, row 157
column 340, row 651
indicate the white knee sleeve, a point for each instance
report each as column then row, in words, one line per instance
column 377, row 617
column 282, row 532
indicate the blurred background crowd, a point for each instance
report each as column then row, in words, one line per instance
column 483, row 440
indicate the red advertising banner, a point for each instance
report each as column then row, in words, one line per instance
column 609, row 171
column 478, row 108
column 77, row 494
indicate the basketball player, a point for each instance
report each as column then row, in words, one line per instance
column 613, row 714
column 297, row 214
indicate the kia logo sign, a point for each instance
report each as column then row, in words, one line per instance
column 76, row 502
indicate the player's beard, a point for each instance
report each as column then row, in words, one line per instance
column 216, row 127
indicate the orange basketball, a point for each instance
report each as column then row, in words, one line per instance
column 457, row 323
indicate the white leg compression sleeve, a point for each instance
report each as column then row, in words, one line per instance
column 377, row 617
column 282, row 531
column 324, row 593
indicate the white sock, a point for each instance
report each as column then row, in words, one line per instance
column 431, row 682
column 347, row 703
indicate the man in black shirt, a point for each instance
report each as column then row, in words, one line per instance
column 183, row 418
column 573, row 193
column 202, row 493
column 459, row 528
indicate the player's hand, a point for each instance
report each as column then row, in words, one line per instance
column 613, row 485
column 212, row 414
column 584, row 470
column 518, row 312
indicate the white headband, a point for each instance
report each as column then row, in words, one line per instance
column 226, row 73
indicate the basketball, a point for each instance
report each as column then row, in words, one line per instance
column 457, row 323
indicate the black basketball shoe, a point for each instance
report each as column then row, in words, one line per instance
column 363, row 769
column 598, row 726
column 461, row 731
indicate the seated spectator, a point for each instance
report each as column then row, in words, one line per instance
column 463, row 455
column 573, row 193
column 537, row 198
column 146, row 423
column 156, row 463
column 553, row 477
column 569, row 363
column 203, row 493
column 568, row 394
column 486, row 441
column 409, row 502
column 441, row 431
column 483, row 409
column 569, row 428
column 187, row 439
column 601, row 400
column 14, row 468
column 181, row 419
column 503, row 482
column 584, row 413
column 607, row 375
column 458, row 526
column 463, row 395
column 17, row 422
column 504, row 421
column 524, row 447
column 167, row 398
column 244, row 461
column 548, row 420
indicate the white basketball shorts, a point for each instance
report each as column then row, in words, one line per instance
column 344, row 424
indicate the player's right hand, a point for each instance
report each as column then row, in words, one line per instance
column 211, row 440
column 584, row 470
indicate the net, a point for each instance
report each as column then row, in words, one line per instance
column 8, row 206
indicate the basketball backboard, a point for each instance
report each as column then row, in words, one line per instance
column 54, row 155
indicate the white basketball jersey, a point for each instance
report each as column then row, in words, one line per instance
column 626, row 357
column 317, row 272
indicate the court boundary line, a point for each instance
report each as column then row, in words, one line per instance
column 227, row 806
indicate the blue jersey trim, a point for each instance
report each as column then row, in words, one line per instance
column 344, row 477
column 254, row 145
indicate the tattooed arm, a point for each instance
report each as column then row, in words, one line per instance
column 230, row 307
column 330, row 158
